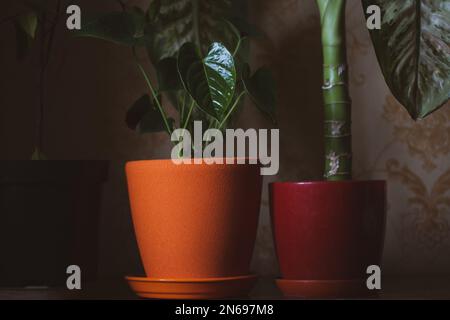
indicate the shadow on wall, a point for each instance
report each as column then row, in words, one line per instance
column 293, row 52
column 118, row 251
column 292, row 49
column 85, row 98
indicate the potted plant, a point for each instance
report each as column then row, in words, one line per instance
column 49, row 209
column 328, row 233
column 195, row 224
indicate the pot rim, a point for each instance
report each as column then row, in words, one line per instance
column 323, row 182
column 165, row 161
column 190, row 280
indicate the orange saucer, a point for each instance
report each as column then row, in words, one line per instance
column 324, row 289
column 213, row 288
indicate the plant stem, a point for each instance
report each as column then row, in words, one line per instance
column 338, row 149
column 196, row 24
column 46, row 51
column 238, row 46
column 191, row 107
column 213, row 123
column 236, row 102
column 153, row 92
column 182, row 107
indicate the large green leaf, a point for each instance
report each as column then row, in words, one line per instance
column 125, row 28
column 413, row 50
column 197, row 21
column 211, row 81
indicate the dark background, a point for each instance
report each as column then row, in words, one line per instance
column 92, row 83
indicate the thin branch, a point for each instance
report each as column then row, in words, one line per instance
column 46, row 51
column 191, row 107
column 236, row 102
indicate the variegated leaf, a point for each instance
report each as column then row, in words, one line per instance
column 413, row 51
column 197, row 21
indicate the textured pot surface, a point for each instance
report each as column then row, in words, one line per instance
column 328, row 230
column 49, row 220
column 57, row 171
column 194, row 221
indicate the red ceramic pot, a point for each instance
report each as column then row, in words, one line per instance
column 327, row 234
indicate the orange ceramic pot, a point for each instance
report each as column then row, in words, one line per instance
column 194, row 221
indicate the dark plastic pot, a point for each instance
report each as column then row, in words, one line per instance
column 49, row 215
column 327, row 234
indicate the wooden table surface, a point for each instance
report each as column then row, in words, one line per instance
column 393, row 288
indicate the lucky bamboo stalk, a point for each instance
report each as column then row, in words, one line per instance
column 338, row 154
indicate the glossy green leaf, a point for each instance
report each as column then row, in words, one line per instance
column 144, row 117
column 125, row 28
column 211, row 81
column 413, row 51
column 261, row 88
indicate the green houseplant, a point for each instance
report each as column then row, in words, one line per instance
column 155, row 32
column 202, row 72
column 329, row 232
column 46, row 205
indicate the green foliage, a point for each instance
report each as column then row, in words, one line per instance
column 207, row 84
column 196, row 21
column 413, row 49
column 211, row 81
column 124, row 28
column 198, row 55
